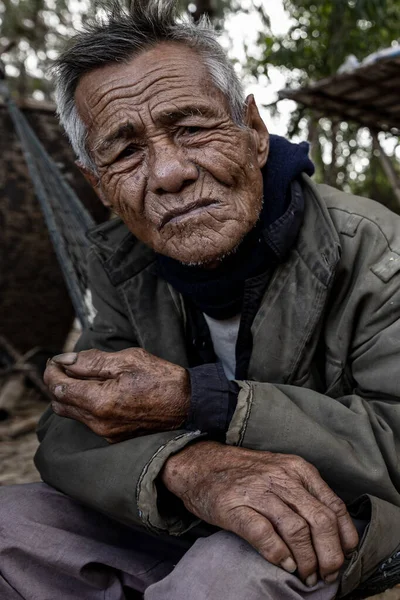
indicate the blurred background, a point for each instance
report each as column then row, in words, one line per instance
column 326, row 71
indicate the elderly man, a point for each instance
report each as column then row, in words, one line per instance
column 229, row 427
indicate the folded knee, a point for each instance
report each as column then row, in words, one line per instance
column 19, row 502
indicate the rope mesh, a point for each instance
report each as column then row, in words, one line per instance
column 66, row 218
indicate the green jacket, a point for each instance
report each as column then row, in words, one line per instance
column 323, row 380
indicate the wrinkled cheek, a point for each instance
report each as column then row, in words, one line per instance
column 155, row 210
column 124, row 192
column 227, row 162
column 139, row 222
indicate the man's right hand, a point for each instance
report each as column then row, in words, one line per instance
column 277, row 502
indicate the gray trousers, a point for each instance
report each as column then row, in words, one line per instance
column 52, row 548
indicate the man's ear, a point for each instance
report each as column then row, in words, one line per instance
column 259, row 130
column 94, row 181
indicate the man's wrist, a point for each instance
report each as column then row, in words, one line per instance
column 177, row 407
column 176, row 473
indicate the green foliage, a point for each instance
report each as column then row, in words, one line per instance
column 322, row 35
column 325, row 32
column 31, row 34
column 38, row 29
column 214, row 9
column 377, row 185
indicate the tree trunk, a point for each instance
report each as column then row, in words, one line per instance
column 332, row 171
column 388, row 167
column 316, row 151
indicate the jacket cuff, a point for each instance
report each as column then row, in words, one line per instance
column 213, row 400
column 384, row 517
column 239, row 421
column 168, row 516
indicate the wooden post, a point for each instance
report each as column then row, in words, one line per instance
column 387, row 166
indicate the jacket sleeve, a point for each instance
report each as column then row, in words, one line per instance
column 213, row 400
column 116, row 479
column 352, row 438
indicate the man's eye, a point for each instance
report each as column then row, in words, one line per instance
column 192, row 129
column 128, row 151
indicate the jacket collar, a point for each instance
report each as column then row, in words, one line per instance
column 318, row 243
column 123, row 255
column 289, row 318
column 287, row 325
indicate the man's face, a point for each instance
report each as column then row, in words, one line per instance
column 171, row 162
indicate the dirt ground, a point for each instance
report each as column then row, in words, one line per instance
column 16, row 464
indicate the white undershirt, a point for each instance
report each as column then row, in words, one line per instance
column 224, row 336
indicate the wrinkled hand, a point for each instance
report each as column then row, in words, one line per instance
column 121, row 394
column 277, row 502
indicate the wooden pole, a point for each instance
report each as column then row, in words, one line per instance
column 388, row 167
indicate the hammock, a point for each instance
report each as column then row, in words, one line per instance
column 66, row 218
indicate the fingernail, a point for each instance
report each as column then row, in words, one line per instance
column 331, row 578
column 312, row 580
column 289, row 565
column 69, row 358
column 59, row 390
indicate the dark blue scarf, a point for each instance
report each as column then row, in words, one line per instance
column 219, row 292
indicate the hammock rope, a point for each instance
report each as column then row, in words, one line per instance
column 66, row 218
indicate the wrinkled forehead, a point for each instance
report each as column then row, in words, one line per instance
column 159, row 79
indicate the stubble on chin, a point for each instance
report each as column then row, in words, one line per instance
column 196, row 246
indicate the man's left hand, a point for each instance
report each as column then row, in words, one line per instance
column 119, row 395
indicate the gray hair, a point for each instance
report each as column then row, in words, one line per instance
column 122, row 35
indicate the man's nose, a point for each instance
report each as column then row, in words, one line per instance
column 170, row 169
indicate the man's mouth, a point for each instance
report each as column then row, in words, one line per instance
column 175, row 215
